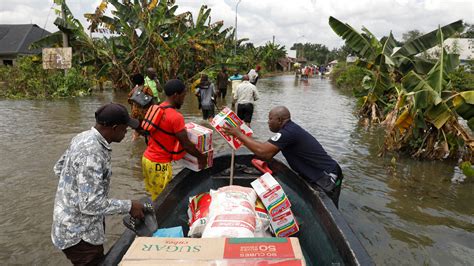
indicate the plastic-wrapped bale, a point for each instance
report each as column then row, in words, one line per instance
column 232, row 213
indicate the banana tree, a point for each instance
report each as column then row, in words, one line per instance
column 387, row 66
column 149, row 33
column 375, row 55
column 271, row 54
column 427, row 125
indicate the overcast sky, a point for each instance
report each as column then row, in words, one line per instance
column 289, row 21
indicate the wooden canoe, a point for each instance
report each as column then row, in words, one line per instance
column 325, row 237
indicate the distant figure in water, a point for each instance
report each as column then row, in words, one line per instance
column 206, row 94
column 222, row 82
column 235, row 80
column 254, row 75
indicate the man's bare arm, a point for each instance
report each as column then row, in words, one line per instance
column 264, row 150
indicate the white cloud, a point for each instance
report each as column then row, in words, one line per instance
column 287, row 20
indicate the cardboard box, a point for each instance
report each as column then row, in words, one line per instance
column 284, row 225
column 199, row 135
column 271, row 194
column 209, row 251
column 227, row 117
column 191, row 162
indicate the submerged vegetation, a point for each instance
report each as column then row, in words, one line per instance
column 419, row 101
column 28, row 79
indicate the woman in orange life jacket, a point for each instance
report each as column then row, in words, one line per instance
column 168, row 139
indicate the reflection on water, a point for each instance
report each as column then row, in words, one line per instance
column 404, row 213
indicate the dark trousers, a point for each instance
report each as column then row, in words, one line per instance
column 207, row 113
column 245, row 111
column 222, row 92
column 84, row 253
column 331, row 187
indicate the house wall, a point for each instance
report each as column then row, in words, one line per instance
column 6, row 60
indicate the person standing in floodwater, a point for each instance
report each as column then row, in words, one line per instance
column 245, row 97
column 222, row 82
column 253, row 75
column 206, row 94
column 151, row 80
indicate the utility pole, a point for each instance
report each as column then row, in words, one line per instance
column 273, row 42
column 235, row 47
column 65, row 38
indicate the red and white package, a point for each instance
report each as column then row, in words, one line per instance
column 262, row 220
column 198, row 212
column 232, row 213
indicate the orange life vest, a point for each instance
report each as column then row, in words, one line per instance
column 152, row 121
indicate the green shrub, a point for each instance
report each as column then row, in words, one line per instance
column 461, row 79
column 28, row 79
column 348, row 76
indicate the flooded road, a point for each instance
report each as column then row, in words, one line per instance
column 407, row 213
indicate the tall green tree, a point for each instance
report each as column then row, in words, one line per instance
column 411, row 35
column 271, row 54
column 313, row 52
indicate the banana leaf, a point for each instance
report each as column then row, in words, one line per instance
column 353, row 39
column 428, row 40
column 438, row 115
column 424, row 94
column 468, row 96
column 421, row 65
column 404, row 121
column 462, row 107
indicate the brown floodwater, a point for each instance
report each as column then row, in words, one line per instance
column 406, row 213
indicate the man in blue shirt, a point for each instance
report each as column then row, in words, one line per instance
column 304, row 153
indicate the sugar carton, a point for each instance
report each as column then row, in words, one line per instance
column 214, row 251
column 227, row 117
column 200, row 136
column 191, row 162
column 271, row 193
column 284, row 224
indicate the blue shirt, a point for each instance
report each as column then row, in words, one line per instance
column 303, row 152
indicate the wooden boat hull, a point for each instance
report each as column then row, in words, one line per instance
column 325, row 237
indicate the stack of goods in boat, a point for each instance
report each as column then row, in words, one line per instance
column 228, row 118
column 276, row 202
column 202, row 138
column 231, row 213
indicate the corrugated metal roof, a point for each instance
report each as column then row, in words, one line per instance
column 15, row 39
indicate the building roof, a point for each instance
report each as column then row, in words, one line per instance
column 15, row 39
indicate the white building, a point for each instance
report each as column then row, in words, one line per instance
column 462, row 46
